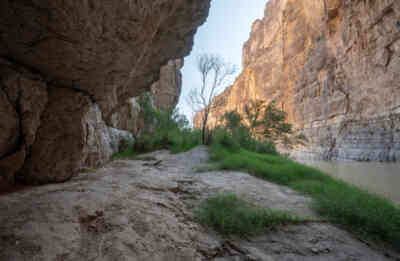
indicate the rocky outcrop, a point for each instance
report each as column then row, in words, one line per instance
column 163, row 94
column 67, row 66
column 24, row 98
column 333, row 66
column 167, row 89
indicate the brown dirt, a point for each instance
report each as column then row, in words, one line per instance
column 135, row 210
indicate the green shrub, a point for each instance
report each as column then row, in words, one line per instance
column 126, row 145
column 265, row 147
column 171, row 131
column 221, row 136
column 236, row 134
column 167, row 129
column 241, row 138
column 184, row 140
column 125, row 150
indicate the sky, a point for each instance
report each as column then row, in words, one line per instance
column 224, row 33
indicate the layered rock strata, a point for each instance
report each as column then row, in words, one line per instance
column 67, row 66
column 334, row 67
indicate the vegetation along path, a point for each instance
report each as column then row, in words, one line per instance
column 148, row 209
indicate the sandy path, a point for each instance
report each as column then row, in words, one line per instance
column 142, row 210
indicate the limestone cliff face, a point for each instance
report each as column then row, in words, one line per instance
column 66, row 67
column 164, row 94
column 334, row 67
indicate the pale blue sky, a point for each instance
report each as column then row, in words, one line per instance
column 227, row 28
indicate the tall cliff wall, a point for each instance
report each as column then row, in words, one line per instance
column 66, row 69
column 334, row 67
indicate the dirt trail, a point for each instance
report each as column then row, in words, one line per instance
column 142, row 210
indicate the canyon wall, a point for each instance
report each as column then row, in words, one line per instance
column 163, row 94
column 68, row 68
column 334, row 67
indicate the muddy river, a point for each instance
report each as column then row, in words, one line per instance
column 379, row 178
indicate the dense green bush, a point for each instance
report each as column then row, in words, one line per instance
column 235, row 134
column 125, row 150
column 166, row 129
column 170, row 131
column 241, row 138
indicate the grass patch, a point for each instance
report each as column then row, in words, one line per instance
column 172, row 139
column 165, row 129
column 228, row 214
column 171, row 130
column 357, row 209
column 126, row 151
column 124, row 155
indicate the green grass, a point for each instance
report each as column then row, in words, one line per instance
column 124, row 155
column 360, row 211
column 173, row 139
column 228, row 214
column 184, row 140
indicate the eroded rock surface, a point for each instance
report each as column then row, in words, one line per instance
column 24, row 98
column 138, row 210
column 333, row 66
column 111, row 50
column 66, row 67
column 167, row 89
column 163, row 94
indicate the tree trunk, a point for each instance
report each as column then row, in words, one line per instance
column 204, row 128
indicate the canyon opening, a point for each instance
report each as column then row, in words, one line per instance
column 102, row 157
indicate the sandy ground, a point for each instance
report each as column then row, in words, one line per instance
column 143, row 210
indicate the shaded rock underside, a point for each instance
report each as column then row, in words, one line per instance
column 68, row 70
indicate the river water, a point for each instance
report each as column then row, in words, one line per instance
column 378, row 178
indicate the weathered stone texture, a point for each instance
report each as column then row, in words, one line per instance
column 111, row 50
column 102, row 141
column 334, row 67
column 25, row 96
column 167, row 89
column 59, row 150
column 163, row 94
column 66, row 67
column 9, row 126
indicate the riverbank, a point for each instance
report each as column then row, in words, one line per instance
column 381, row 178
column 362, row 213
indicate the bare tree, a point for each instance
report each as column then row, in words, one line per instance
column 214, row 72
